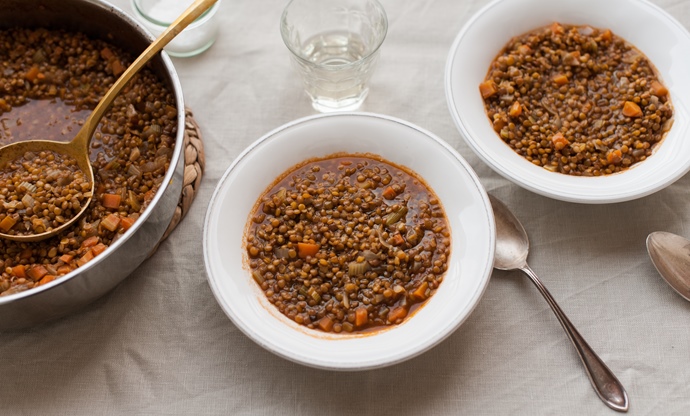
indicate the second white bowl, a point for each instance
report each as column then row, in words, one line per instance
column 456, row 185
column 653, row 31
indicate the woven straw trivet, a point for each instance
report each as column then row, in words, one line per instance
column 194, row 165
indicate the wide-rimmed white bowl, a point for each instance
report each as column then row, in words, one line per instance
column 457, row 186
column 660, row 37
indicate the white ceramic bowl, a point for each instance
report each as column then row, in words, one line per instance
column 660, row 37
column 457, row 186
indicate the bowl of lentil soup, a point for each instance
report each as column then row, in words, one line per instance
column 602, row 119
column 57, row 60
column 334, row 146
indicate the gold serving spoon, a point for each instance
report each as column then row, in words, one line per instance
column 78, row 148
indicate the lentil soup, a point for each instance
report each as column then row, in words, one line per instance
column 42, row 191
column 576, row 100
column 50, row 80
column 348, row 243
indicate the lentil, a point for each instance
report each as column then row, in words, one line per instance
column 50, row 80
column 576, row 100
column 348, row 243
column 33, row 190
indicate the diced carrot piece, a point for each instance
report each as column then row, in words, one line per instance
column 524, row 49
column 326, row 323
column 98, row 249
column 420, row 292
column 66, row 258
column 90, row 241
column 389, row 193
column 487, row 89
column 148, row 196
column 658, row 89
column 32, row 74
column 126, row 223
column 111, row 201
column 398, row 240
column 85, row 258
column 560, row 79
column 305, row 250
column 64, row 269
column 107, row 54
column 26, row 253
column 614, row 157
column 36, row 272
column 558, row 141
column 19, row 270
column 606, row 35
column 556, row 28
column 46, row 279
column 118, row 68
column 399, row 312
column 515, row 110
column 361, row 316
column 7, row 223
column 630, row 109
column 111, row 222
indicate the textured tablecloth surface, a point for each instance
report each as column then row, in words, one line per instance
column 160, row 344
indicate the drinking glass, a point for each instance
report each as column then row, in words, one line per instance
column 334, row 45
column 157, row 15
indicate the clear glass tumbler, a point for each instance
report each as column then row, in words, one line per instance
column 334, row 46
column 157, row 15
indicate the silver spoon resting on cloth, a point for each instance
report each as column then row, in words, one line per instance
column 670, row 254
column 512, row 247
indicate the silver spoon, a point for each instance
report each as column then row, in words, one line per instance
column 670, row 254
column 512, row 247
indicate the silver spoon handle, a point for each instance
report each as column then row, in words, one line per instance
column 605, row 383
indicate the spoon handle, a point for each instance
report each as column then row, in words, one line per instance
column 83, row 137
column 605, row 383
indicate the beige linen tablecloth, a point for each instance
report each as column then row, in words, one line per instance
column 159, row 343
